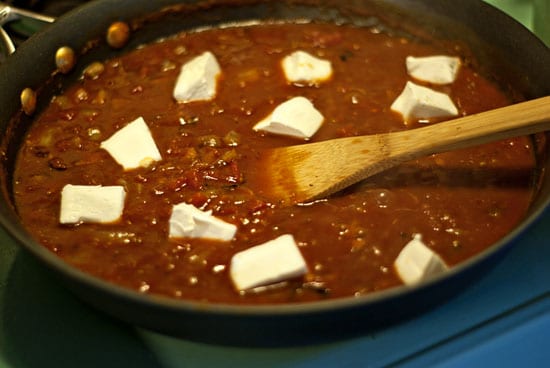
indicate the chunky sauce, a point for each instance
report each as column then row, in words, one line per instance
column 461, row 202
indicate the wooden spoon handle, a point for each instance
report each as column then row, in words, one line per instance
column 511, row 121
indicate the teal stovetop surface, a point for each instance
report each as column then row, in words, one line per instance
column 501, row 320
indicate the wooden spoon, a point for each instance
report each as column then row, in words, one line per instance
column 302, row 173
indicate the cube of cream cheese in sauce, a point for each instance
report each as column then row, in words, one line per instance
column 416, row 262
column 301, row 67
column 91, row 203
column 133, row 146
column 296, row 117
column 198, row 79
column 438, row 69
column 271, row 262
column 187, row 221
column 418, row 102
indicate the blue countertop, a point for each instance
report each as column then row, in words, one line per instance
column 503, row 319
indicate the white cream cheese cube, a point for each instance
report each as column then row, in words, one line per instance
column 133, row 145
column 198, row 79
column 91, row 203
column 303, row 67
column 296, row 117
column 418, row 102
column 187, row 221
column 438, row 69
column 276, row 260
column 416, row 262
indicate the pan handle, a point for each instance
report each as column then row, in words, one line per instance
column 6, row 44
column 12, row 14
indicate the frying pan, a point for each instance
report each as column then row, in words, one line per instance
column 507, row 52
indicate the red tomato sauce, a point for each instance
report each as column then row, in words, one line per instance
column 461, row 202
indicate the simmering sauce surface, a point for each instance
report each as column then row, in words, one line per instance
column 460, row 202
